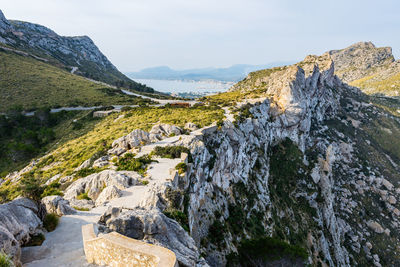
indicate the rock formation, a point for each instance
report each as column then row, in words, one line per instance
column 18, row 222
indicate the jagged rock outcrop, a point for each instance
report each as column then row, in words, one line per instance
column 19, row 220
column 57, row 205
column 139, row 138
column 154, row 227
column 95, row 183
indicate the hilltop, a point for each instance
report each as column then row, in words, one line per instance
column 373, row 69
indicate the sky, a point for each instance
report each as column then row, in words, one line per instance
column 136, row 34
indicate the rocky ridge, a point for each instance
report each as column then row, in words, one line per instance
column 78, row 53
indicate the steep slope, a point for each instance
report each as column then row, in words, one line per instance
column 72, row 53
column 32, row 83
column 371, row 68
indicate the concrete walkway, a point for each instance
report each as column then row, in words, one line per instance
column 64, row 246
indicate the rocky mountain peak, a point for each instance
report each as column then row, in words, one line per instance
column 360, row 60
column 4, row 23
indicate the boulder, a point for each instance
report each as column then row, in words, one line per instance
column 161, row 131
column 94, row 183
column 57, row 205
column 376, row 227
column 53, row 179
column 19, row 220
column 101, row 162
column 85, row 164
column 108, row 193
column 154, row 227
column 191, row 126
column 82, row 204
column 134, row 139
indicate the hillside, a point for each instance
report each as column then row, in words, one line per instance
column 77, row 53
column 293, row 167
column 31, row 84
column 371, row 68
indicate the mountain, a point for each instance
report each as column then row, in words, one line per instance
column 373, row 69
column 233, row 73
column 291, row 167
column 40, row 69
column 78, row 53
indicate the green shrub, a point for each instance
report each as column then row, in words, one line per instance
column 85, row 172
column 36, row 240
column 83, row 196
column 216, row 232
column 5, row 260
column 31, row 187
column 144, row 182
column 181, row 168
column 178, row 216
column 129, row 163
column 265, row 249
column 50, row 222
column 81, row 208
column 52, row 190
column 170, row 152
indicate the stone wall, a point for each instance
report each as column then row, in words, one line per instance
column 114, row 249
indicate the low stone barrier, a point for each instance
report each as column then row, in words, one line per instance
column 116, row 250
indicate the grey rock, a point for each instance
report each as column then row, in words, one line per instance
column 57, row 205
column 19, row 220
column 154, row 227
column 108, row 193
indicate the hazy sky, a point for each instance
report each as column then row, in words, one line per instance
column 135, row 34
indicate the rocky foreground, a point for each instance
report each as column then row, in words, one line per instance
column 309, row 161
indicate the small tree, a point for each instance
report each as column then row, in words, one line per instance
column 31, row 187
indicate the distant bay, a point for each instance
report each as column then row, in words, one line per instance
column 182, row 86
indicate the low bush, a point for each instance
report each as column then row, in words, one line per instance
column 170, row 152
column 83, row 196
column 50, row 222
column 36, row 240
column 52, row 190
column 129, row 163
column 5, row 260
column 178, row 216
column 265, row 249
column 181, row 168
column 81, row 208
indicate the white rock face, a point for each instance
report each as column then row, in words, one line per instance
column 108, row 193
column 57, row 205
column 18, row 221
column 94, row 183
column 134, row 139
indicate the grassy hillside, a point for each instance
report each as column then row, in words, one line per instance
column 30, row 83
column 75, row 145
column 374, row 84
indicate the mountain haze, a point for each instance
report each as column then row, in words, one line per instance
column 232, row 73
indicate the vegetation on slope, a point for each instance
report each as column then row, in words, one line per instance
column 97, row 140
column 374, row 85
column 23, row 138
column 33, row 84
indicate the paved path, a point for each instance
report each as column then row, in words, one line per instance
column 64, row 246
